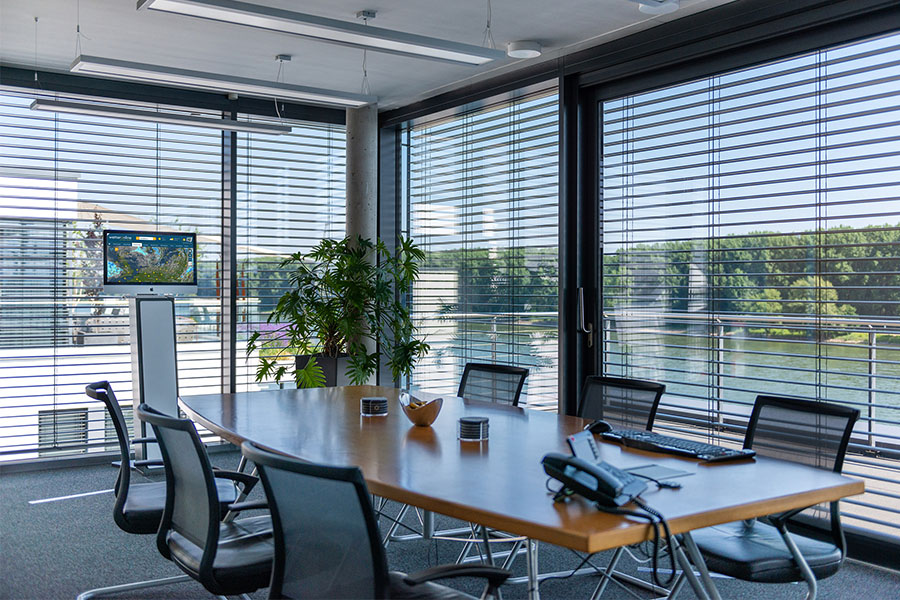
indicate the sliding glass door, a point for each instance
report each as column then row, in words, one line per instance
column 751, row 245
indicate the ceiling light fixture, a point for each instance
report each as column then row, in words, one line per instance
column 326, row 30
column 523, row 49
column 120, row 69
column 657, row 7
column 116, row 112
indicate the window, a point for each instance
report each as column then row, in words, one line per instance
column 63, row 179
column 290, row 195
column 109, row 430
column 751, row 244
column 62, row 431
column 482, row 202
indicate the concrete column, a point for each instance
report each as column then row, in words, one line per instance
column 362, row 179
column 362, row 171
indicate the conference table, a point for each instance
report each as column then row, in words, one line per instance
column 500, row 483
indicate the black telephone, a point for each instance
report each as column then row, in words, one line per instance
column 598, row 482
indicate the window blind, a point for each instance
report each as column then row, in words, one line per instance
column 482, row 202
column 63, row 179
column 290, row 195
column 751, row 244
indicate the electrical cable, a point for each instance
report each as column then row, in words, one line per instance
column 656, row 544
column 670, row 485
column 652, row 516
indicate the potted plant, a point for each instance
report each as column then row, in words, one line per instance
column 343, row 294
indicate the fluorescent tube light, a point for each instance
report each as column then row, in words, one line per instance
column 116, row 112
column 327, row 30
column 120, row 69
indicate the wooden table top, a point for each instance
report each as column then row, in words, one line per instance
column 501, row 483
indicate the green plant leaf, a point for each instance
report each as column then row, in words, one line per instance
column 311, row 375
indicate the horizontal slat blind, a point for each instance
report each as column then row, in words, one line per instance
column 751, row 244
column 482, row 202
column 63, row 179
column 290, row 195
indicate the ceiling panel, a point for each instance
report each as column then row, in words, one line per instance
column 115, row 29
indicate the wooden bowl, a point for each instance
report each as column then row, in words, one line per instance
column 423, row 416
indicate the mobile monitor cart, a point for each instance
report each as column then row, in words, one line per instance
column 149, row 268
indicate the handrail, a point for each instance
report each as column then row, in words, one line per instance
column 745, row 318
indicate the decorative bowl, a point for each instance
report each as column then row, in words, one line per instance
column 422, row 413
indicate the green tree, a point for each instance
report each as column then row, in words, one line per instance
column 815, row 295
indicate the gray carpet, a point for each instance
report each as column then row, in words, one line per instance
column 59, row 549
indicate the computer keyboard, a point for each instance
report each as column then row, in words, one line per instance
column 654, row 442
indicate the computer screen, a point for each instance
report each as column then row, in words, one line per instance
column 149, row 262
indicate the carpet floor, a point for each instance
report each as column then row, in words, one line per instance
column 59, row 548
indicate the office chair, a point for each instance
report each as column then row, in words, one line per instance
column 326, row 539
column 803, row 431
column 227, row 557
column 623, row 403
column 139, row 507
column 492, row 383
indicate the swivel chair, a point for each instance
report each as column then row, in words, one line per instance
column 764, row 550
column 492, row 383
column 326, row 539
column 139, row 506
column 623, row 403
column 226, row 557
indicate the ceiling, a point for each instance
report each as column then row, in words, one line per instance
column 115, row 29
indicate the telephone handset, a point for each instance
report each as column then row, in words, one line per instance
column 597, row 482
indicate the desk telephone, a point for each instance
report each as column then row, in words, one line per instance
column 598, row 482
column 611, row 488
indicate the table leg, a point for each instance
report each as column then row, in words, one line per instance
column 489, row 557
column 698, row 561
column 531, row 553
column 427, row 524
column 688, row 569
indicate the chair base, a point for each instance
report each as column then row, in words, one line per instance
column 127, row 587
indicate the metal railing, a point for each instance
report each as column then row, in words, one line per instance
column 717, row 324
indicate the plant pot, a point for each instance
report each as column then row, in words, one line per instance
column 335, row 369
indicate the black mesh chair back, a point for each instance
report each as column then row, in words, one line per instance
column 802, row 431
column 326, row 539
column 807, row 432
column 191, row 506
column 138, row 508
column 103, row 392
column 492, row 383
column 765, row 550
column 228, row 557
column 623, row 403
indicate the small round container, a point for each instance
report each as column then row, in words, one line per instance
column 373, row 406
column 472, row 429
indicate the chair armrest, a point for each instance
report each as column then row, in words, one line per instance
column 150, row 462
column 144, row 440
column 254, row 504
column 495, row 575
column 246, row 480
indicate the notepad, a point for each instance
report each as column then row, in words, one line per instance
column 658, row 472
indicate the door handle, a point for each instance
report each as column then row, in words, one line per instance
column 584, row 327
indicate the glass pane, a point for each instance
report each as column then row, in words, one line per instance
column 751, row 245
column 482, row 203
